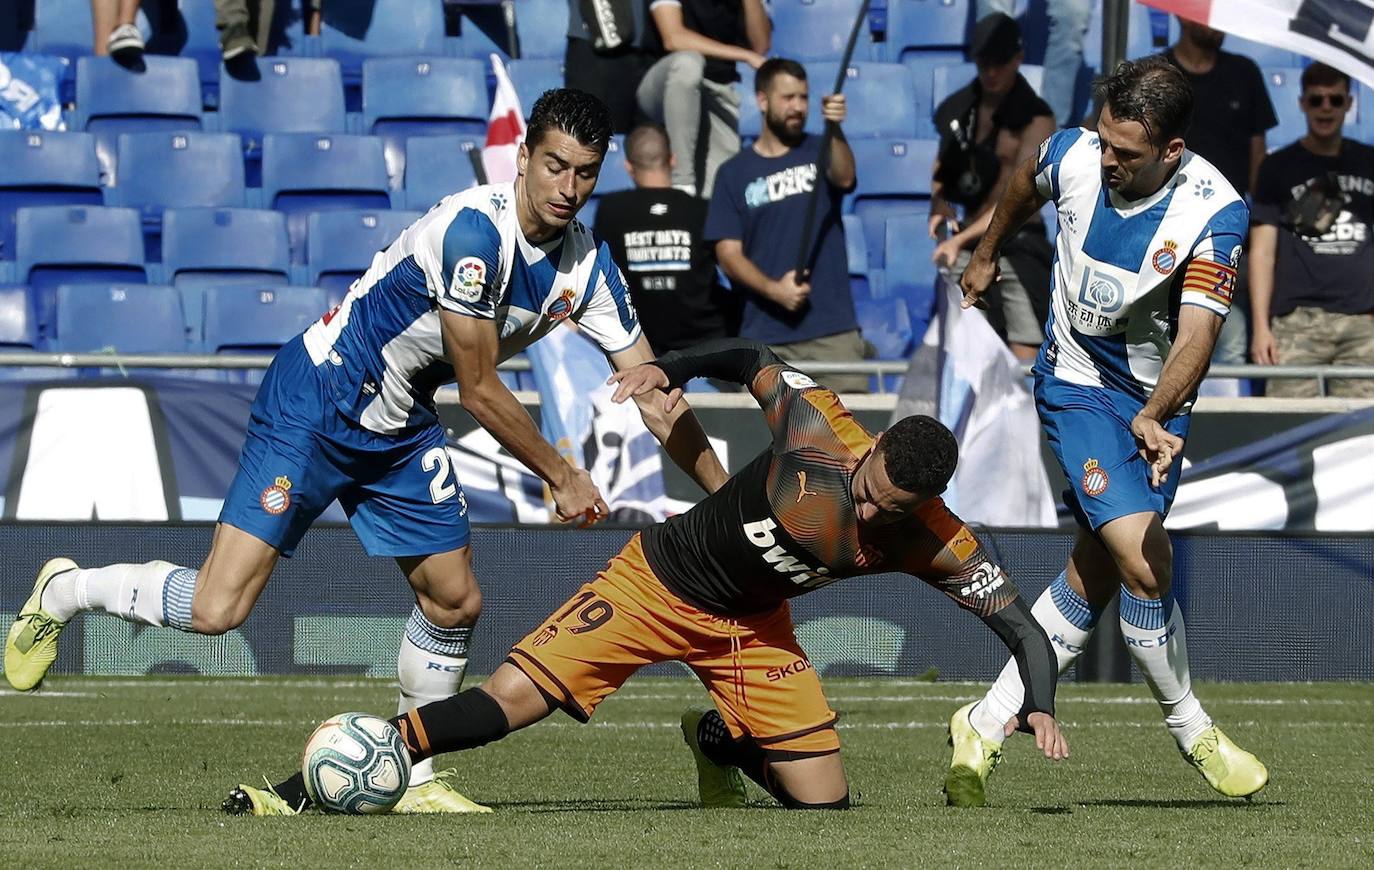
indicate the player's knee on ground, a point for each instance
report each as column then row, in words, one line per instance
column 808, row 782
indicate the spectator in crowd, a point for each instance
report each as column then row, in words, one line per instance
column 987, row 129
column 655, row 234
column 1231, row 112
column 114, row 31
column 244, row 26
column 607, row 55
column 690, row 90
column 757, row 221
column 1069, row 20
column 1311, row 256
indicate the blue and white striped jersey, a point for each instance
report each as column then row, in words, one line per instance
column 380, row 352
column 1122, row 268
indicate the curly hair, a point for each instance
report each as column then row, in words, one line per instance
column 919, row 454
column 577, row 113
column 1152, row 92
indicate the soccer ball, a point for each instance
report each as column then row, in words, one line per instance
column 356, row 763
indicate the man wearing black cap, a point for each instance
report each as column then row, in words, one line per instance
column 986, row 130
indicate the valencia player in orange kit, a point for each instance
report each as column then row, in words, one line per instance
column 710, row 587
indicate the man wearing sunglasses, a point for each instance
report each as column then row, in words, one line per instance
column 1311, row 258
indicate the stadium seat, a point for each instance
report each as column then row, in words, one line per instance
column 177, row 170
column 1284, row 85
column 856, row 255
column 126, row 318
column 255, row 320
column 76, row 245
column 288, row 95
column 353, row 32
column 533, row 77
column 437, row 166
column 809, row 30
column 60, row 27
column 405, row 97
column 922, row 66
column 910, row 273
column 614, row 176
column 18, row 322
column 916, row 25
column 112, row 99
column 886, row 324
column 542, row 26
column 750, row 119
column 1261, row 53
column 304, row 173
column 204, row 247
column 43, row 168
column 341, row 245
column 881, row 99
column 894, row 178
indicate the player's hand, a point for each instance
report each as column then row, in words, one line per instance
column 576, row 498
column 833, row 108
column 789, row 293
column 1157, row 446
column 946, row 253
column 1264, row 348
column 1048, row 738
column 641, row 379
column 977, row 278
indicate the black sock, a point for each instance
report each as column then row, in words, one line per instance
column 751, row 759
column 465, row 721
column 292, row 790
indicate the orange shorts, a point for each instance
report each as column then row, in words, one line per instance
column 753, row 668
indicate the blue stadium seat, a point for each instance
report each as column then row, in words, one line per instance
column 246, row 319
column 750, row 119
column 1262, row 53
column 76, row 245
column 542, row 26
column 922, row 66
column 127, row 318
column 885, row 323
column 856, row 254
column 437, row 166
column 305, row 173
column 290, row 95
column 894, row 178
column 914, row 25
column 614, row 176
column 43, row 168
column 405, row 97
column 818, row 29
column 112, row 99
column 18, row 322
column 177, row 170
column 533, row 77
column 881, row 98
column 1285, row 89
column 341, row 245
column 60, row 27
column 204, row 247
column 353, row 32
column 910, row 273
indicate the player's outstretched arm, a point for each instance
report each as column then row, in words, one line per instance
column 471, row 344
column 737, row 360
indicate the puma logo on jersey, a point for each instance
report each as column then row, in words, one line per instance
column 760, row 534
column 802, row 491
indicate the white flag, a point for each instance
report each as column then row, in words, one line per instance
column 505, row 128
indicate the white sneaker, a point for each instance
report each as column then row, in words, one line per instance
column 124, row 41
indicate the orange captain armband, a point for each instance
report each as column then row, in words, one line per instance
column 1214, row 280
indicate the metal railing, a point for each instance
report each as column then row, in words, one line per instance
column 40, row 359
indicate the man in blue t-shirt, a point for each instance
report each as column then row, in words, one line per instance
column 757, row 217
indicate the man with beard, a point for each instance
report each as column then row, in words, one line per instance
column 757, row 219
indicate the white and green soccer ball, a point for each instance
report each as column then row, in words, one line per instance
column 356, row 763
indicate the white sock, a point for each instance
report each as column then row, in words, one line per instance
column 153, row 593
column 1068, row 621
column 430, row 667
column 1159, row 647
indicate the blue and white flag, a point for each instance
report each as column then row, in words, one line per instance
column 963, row 375
column 29, row 95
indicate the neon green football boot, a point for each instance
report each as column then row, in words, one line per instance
column 31, row 647
column 972, row 763
column 718, row 785
column 437, row 796
column 249, row 801
column 1227, row 768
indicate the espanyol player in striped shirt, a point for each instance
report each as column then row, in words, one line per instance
column 346, row 412
column 1149, row 236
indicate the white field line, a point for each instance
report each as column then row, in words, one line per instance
column 907, row 725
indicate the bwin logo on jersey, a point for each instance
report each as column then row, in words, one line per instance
column 761, row 535
column 1101, row 292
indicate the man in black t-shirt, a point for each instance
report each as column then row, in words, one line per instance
column 1311, row 256
column 655, row 234
column 690, row 90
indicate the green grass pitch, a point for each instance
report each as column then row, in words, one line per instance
column 128, row 773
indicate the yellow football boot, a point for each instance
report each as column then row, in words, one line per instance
column 249, row 801
column 972, row 762
column 718, row 786
column 1227, row 768
column 437, row 796
column 31, row 647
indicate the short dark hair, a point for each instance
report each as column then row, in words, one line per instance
column 577, row 113
column 1319, row 75
column 647, row 147
column 773, row 67
column 919, row 454
column 1152, row 92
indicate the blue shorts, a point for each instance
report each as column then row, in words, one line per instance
column 1089, row 429
column 300, row 454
